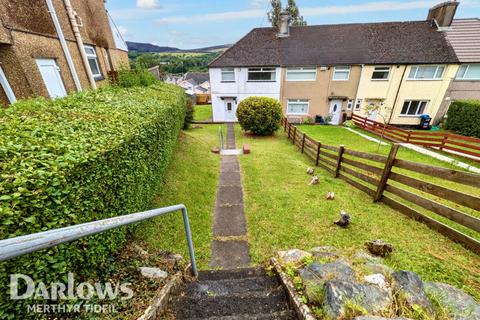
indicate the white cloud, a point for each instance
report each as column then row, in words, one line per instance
column 259, row 3
column 211, row 17
column 123, row 31
column 148, row 4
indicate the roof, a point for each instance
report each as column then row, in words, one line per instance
column 366, row 43
column 464, row 36
column 197, row 77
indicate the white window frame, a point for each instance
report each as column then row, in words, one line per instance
column 467, row 66
column 358, row 104
column 271, row 70
column 300, row 70
column 379, row 69
column 435, row 77
column 350, row 104
column 229, row 71
column 95, row 58
column 297, row 101
column 6, row 87
column 342, row 70
column 409, row 106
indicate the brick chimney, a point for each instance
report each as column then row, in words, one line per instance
column 284, row 26
column 443, row 13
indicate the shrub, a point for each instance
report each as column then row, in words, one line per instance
column 188, row 114
column 128, row 78
column 86, row 157
column 464, row 118
column 259, row 115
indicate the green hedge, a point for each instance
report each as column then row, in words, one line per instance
column 86, row 157
column 464, row 118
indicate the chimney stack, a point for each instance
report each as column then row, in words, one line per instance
column 443, row 13
column 284, row 27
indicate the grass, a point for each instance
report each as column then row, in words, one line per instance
column 284, row 211
column 191, row 179
column 202, row 112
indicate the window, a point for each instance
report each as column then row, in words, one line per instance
column 228, row 75
column 426, row 72
column 301, row 74
column 298, row 106
column 380, row 73
column 350, row 104
column 413, row 107
column 469, row 72
column 261, row 74
column 93, row 61
column 358, row 105
column 341, row 73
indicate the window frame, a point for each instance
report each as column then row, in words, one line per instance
column 271, row 70
column 466, row 71
column 350, row 104
column 381, row 67
column 304, row 70
column 93, row 56
column 358, row 104
column 427, row 79
column 418, row 108
column 227, row 70
column 338, row 69
column 297, row 101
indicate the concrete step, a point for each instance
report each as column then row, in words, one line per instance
column 240, row 273
column 251, row 303
column 218, row 288
column 281, row 315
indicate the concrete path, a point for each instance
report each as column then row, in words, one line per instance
column 230, row 247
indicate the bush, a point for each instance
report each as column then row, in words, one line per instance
column 188, row 114
column 464, row 118
column 259, row 115
column 86, row 157
column 128, row 78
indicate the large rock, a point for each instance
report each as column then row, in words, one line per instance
column 378, row 318
column 379, row 247
column 338, row 294
column 365, row 257
column 379, row 268
column 321, row 272
column 460, row 305
column 377, row 279
column 294, row 256
column 325, row 252
column 410, row 287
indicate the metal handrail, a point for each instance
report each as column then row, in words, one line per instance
column 18, row 246
column 220, row 137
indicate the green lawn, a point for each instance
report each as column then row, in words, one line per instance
column 202, row 112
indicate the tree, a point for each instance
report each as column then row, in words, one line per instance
column 292, row 9
column 297, row 19
column 378, row 108
column 274, row 14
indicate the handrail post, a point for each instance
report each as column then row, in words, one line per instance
column 341, row 150
column 188, row 233
column 386, row 172
column 303, row 143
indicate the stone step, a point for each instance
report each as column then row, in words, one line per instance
column 281, row 315
column 251, row 303
column 218, row 288
column 240, row 273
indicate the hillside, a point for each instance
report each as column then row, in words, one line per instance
column 148, row 47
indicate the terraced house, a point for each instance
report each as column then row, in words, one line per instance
column 54, row 47
column 332, row 71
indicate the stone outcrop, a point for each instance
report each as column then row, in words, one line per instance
column 409, row 287
column 459, row 305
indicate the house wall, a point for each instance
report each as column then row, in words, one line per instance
column 458, row 90
column 240, row 89
column 319, row 91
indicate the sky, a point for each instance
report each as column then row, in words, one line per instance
column 190, row 24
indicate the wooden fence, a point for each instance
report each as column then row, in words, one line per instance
column 372, row 173
column 466, row 146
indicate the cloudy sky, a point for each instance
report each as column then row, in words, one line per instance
column 191, row 24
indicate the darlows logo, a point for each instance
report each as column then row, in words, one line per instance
column 23, row 287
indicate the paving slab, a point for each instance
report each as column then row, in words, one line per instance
column 230, row 254
column 229, row 221
column 229, row 195
column 230, row 179
column 229, row 167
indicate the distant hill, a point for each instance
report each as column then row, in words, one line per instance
column 148, row 47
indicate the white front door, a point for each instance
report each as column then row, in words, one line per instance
column 336, row 111
column 230, row 110
column 52, row 78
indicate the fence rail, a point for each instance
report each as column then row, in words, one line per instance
column 378, row 176
column 466, row 146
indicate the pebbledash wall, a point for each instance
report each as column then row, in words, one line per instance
column 27, row 33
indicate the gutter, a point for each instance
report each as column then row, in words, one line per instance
column 78, row 37
column 64, row 45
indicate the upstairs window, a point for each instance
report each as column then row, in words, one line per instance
column 301, row 74
column 426, row 72
column 228, row 75
column 380, row 73
column 469, row 72
column 341, row 73
column 298, row 107
column 413, row 107
column 261, row 74
column 93, row 61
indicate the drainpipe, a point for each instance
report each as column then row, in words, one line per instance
column 78, row 37
column 64, row 45
column 397, row 94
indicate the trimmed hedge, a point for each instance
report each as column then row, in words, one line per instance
column 86, row 157
column 259, row 115
column 464, row 118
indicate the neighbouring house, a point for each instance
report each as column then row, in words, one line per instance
column 53, row 47
column 336, row 70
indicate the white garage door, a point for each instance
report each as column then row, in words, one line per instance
column 51, row 76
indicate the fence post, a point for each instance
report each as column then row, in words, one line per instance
column 303, row 142
column 285, row 122
column 294, row 134
column 289, row 129
column 444, row 140
column 341, row 150
column 408, row 136
column 386, row 172
column 318, row 153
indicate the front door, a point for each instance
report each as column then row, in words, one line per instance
column 52, row 78
column 336, row 111
column 230, row 109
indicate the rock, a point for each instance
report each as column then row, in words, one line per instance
column 377, row 279
column 216, row 150
column 330, row 195
column 310, row 171
column 293, row 255
column 366, row 257
column 460, row 305
column 378, row 318
column 344, row 220
column 314, row 180
column 325, row 252
column 371, row 298
column 379, row 268
column 321, row 272
column 174, row 258
column 409, row 285
column 379, row 247
column 153, row 273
